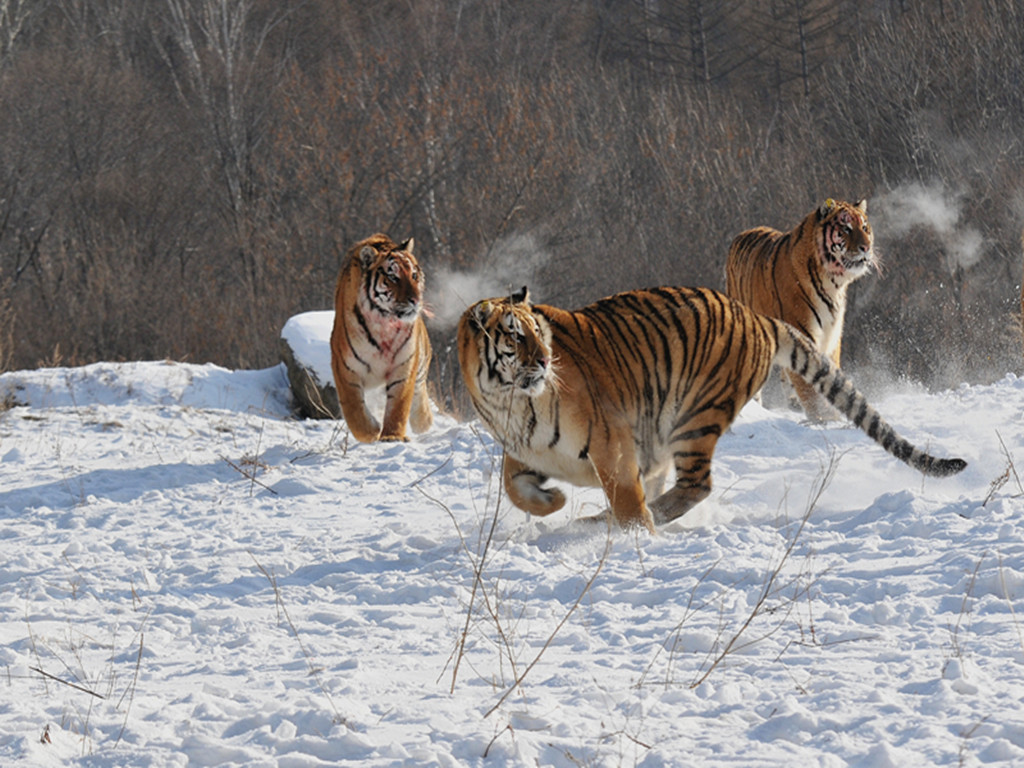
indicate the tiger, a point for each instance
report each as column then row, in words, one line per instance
column 801, row 276
column 626, row 390
column 379, row 339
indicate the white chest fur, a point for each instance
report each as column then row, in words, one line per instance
column 830, row 316
column 380, row 342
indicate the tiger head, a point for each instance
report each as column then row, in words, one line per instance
column 392, row 278
column 506, row 346
column 847, row 241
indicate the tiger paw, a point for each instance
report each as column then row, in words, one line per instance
column 526, row 491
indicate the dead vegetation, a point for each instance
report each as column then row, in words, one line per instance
column 178, row 178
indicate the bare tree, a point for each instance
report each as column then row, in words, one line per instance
column 222, row 70
column 797, row 38
column 14, row 18
column 703, row 40
column 177, row 178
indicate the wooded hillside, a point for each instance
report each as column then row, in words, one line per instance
column 178, row 177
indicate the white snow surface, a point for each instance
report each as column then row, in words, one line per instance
column 190, row 576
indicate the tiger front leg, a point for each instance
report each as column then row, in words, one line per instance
column 817, row 408
column 396, row 412
column 524, row 487
column 623, row 484
column 361, row 423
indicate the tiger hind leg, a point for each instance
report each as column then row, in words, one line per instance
column 677, row 501
column 693, row 481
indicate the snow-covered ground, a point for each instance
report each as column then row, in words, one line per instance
column 192, row 577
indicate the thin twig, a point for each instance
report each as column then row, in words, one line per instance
column 491, row 742
column 131, row 690
column 249, row 476
column 558, row 628
column 965, row 610
column 1009, row 602
column 1009, row 460
column 256, row 455
column 996, row 485
column 478, row 570
column 733, row 645
column 34, row 647
column 690, row 611
column 313, row 669
column 434, row 471
column 68, row 684
column 460, row 646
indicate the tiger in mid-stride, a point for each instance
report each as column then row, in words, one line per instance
column 801, row 276
column 632, row 387
column 379, row 339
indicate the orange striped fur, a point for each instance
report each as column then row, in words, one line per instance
column 635, row 388
column 801, row 276
column 379, row 339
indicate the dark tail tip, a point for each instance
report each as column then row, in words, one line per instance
column 945, row 467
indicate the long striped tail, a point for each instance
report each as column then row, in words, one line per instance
column 796, row 353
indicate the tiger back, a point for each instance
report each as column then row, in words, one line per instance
column 802, row 276
column 379, row 339
column 633, row 389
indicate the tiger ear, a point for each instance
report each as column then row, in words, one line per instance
column 862, row 206
column 826, row 208
column 366, row 255
column 407, row 246
column 481, row 311
column 522, row 296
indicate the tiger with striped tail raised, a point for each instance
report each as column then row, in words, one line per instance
column 625, row 391
column 379, row 339
column 802, row 277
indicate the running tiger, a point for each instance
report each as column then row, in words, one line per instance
column 379, row 339
column 625, row 390
column 801, row 276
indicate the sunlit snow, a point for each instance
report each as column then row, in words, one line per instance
column 190, row 576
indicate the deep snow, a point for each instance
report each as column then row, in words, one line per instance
column 211, row 582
